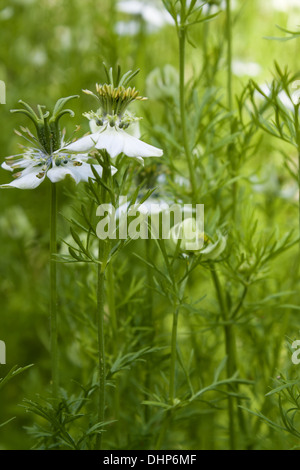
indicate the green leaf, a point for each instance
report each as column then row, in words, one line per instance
column 14, row 371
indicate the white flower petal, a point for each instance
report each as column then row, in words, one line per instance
column 27, row 180
column 58, row 173
column 134, row 147
column 115, row 141
column 5, row 166
column 85, row 144
column 84, row 172
column 77, row 172
column 112, row 141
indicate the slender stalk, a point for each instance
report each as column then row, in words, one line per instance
column 296, row 263
column 148, row 312
column 53, row 293
column 110, row 289
column 103, row 252
column 172, row 388
column 229, row 53
column 230, row 343
column 173, row 357
column 228, row 33
column 182, row 39
column 206, row 59
column 111, row 300
column 299, row 197
column 101, row 345
column 297, row 131
column 163, row 431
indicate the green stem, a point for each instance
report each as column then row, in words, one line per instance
column 110, row 286
column 297, row 131
column 148, row 312
column 206, row 67
column 53, row 291
column 111, row 301
column 101, row 345
column 163, row 431
column 229, row 53
column 172, row 389
column 228, row 33
column 173, row 357
column 230, row 352
column 103, row 253
column 182, row 38
column 299, row 198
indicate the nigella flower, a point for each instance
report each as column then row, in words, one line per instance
column 113, row 128
column 35, row 164
column 45, row 156
column 114, row 140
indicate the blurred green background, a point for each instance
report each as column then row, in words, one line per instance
column 55, row 48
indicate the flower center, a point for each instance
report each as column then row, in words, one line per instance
column 113, row 105
column 114, row 101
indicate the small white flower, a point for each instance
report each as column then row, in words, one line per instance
column 35, row 164
column 242, row 68
column 151, row 14
column 127, row 28
column 115, row 141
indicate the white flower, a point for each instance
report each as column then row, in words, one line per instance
column 35, row 164
column 127, row 28
column 115, row 141
column 151, row 14
column 109, row 122
column 241, row 68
